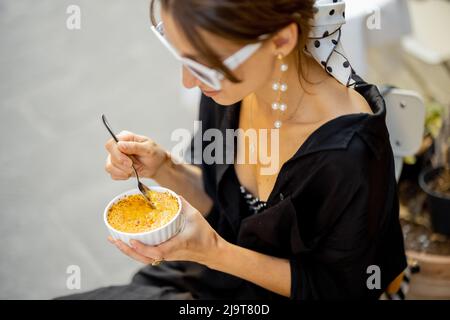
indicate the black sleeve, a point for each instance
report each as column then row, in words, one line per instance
column 340, row 218
column 332, row 233
column 345, row 218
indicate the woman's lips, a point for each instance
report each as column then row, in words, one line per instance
column 210, row 93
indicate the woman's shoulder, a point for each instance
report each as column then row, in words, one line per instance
column 346, row 153
column 358, row 127
column 358, row 103
column 334, row 100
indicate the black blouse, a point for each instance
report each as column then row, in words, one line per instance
column 333, row 211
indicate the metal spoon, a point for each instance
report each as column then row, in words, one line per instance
column 142, row 187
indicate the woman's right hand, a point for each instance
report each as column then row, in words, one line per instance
column 148, row 157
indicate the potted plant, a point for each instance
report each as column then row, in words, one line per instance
column 435, row 181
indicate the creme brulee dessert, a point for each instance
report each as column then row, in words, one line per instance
column 133, row 214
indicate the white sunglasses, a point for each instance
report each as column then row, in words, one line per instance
column 209, row 76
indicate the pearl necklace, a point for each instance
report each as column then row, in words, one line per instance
column 280, row 88
column 252, row 102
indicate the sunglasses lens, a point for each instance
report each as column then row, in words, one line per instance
column 204, row 74
column 203, row 77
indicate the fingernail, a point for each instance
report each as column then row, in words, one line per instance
column 134, row 243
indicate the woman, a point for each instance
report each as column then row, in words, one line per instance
column 316, row 227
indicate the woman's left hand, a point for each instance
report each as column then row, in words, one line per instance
column 196, row 242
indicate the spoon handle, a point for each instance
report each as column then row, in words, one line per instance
column 108, row 127
column 111, row 131
column 141, row 186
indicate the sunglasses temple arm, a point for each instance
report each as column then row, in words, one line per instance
column 242, row 55
column 165, row 42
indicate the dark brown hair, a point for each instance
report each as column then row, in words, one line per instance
column 241, row 21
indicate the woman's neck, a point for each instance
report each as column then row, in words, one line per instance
column 300, row 91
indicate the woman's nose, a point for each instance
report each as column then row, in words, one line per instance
column 189, row 80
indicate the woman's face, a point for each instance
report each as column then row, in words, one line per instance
column 254, row 73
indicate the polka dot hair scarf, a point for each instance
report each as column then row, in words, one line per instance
column 324, row 41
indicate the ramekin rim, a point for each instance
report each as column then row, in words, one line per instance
column 136, row 191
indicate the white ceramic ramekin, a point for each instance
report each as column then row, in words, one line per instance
column 152, row 237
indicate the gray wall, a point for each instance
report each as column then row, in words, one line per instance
column 54, row 84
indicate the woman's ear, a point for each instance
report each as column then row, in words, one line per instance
column 285, row 40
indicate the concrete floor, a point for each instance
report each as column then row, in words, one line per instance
column 54, row 85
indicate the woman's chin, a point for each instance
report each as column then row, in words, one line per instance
column 221, row 100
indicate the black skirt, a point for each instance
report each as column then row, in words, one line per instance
column 173, row 281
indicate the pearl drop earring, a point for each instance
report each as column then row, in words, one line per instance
column 280, row 88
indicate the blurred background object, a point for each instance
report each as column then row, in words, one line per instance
column 55, row 83
column 421, row 62
column 373, row 25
